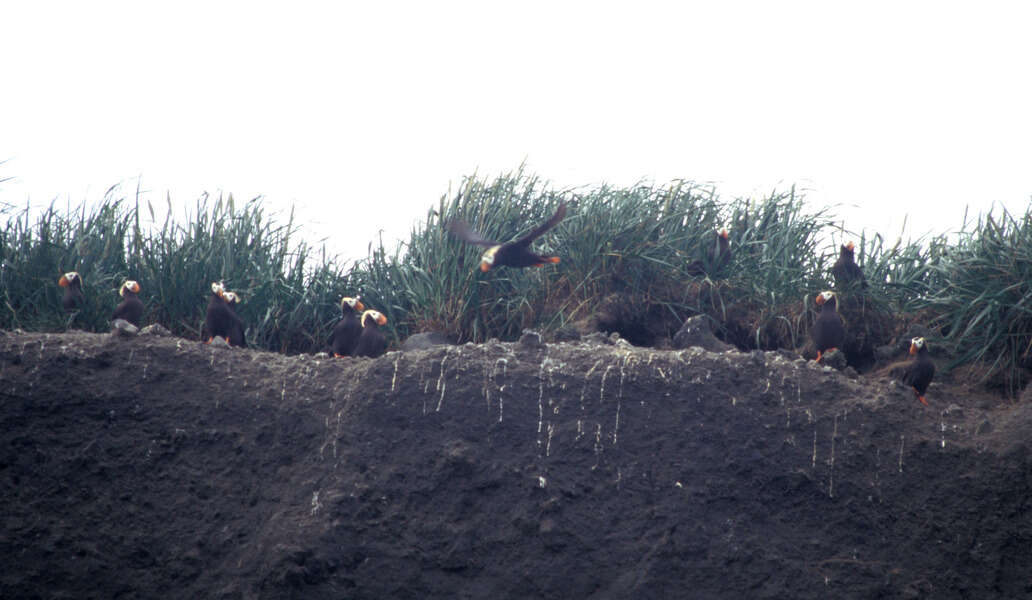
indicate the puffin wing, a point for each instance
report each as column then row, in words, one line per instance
column 542, row 228
column 462, row 230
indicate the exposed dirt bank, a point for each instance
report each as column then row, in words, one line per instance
column 159, row 467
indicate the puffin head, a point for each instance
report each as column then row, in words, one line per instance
column 916, row 344
column 825, row 296
column 218, row 288
column 354, row 303
column 230, row 297
column 487, row 260
column 69, row 278
column 130, row 286
column 850, row 246
column 723, row 234
column 375, row 316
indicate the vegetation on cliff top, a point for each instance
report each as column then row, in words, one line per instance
column 972, row 288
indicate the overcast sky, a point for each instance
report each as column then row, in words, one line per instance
column 361, row 114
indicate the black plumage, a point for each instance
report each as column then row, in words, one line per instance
column 221, row 320
column 72, row 283
column 828, row 330
column 510, row 254
column 718, row 255
column 371, row 342
column 846, row 272
column 131, row 307
column 921, row 370
column 348, row 329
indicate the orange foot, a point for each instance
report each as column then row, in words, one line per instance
column 553, row 259
column 209, row 340
column 335, row 355
column 922, row 399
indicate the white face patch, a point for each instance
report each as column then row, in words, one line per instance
column 489, row 256
column 378, row 318
column 230, row 297
column 827, row 295
column 349, row 301
column 130, row 285
column 917, row 342
column 217, row 287
column 71, row 276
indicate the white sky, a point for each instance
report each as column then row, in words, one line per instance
column 360, row 114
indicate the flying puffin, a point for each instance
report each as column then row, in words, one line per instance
column 221, row 320
column 510, row 254
column 920, row 371
column 72, row 283
column 718, row 255
column 131, row 308
column 371, row 342
column 348, row 329
column 846, row 272
column 828, row 330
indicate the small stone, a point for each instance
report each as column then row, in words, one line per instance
column 219, row 342
column 427, row 339
column 123, row 328
column 531, row 339
column 568, row 333
column 155, row 329
column 319, row 355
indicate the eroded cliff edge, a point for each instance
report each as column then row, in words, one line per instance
column 159, row 467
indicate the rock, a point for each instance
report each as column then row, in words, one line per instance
column 697, row 331
column 219, row 342
column 531, row 339
column 427, row 339
column 984, row 427
column 597, row 338
column 885, row 353
column 123, row 328
column 155, row 329
column 835, row 359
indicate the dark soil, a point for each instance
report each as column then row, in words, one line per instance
column 155, row 467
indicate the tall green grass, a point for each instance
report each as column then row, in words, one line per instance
column 972, row 288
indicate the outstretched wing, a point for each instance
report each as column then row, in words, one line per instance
column 464, row 232
column 541, row 229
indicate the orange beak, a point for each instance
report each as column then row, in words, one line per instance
column 359, row 306
column 913, row 348
column 63, row 282
column 820, row 299
column 723, row 233
column 382, row 320
column 484, row 266
column 849, row 246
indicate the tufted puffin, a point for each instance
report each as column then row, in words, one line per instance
column 920, row 371
column 846, row 272
column 72, row 283
column 828, row 330
column 221, row 320
column 510, row 254
column 371, row 342
column 718, row 255
column 348, row 329
column 131, row 307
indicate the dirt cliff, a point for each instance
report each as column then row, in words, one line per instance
column 159, row 467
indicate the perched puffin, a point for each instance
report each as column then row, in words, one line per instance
column 828, row 330
column 510, row 254
column 920, row 371
column 371, row 342
column 236, row 330
column 221, row 320
column 72, row 283
column 348, row 329
column 846, row 272
column 131, row 308
column 718, row 255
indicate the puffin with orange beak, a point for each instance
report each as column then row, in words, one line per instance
column 718, row 255
column 131, row 307
column 846, row 272
column 221, row 320
column 516, row 253
column 348, row 329
column 371, row 342
column 920, row 371
column 828, row 330
column 72, row 283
